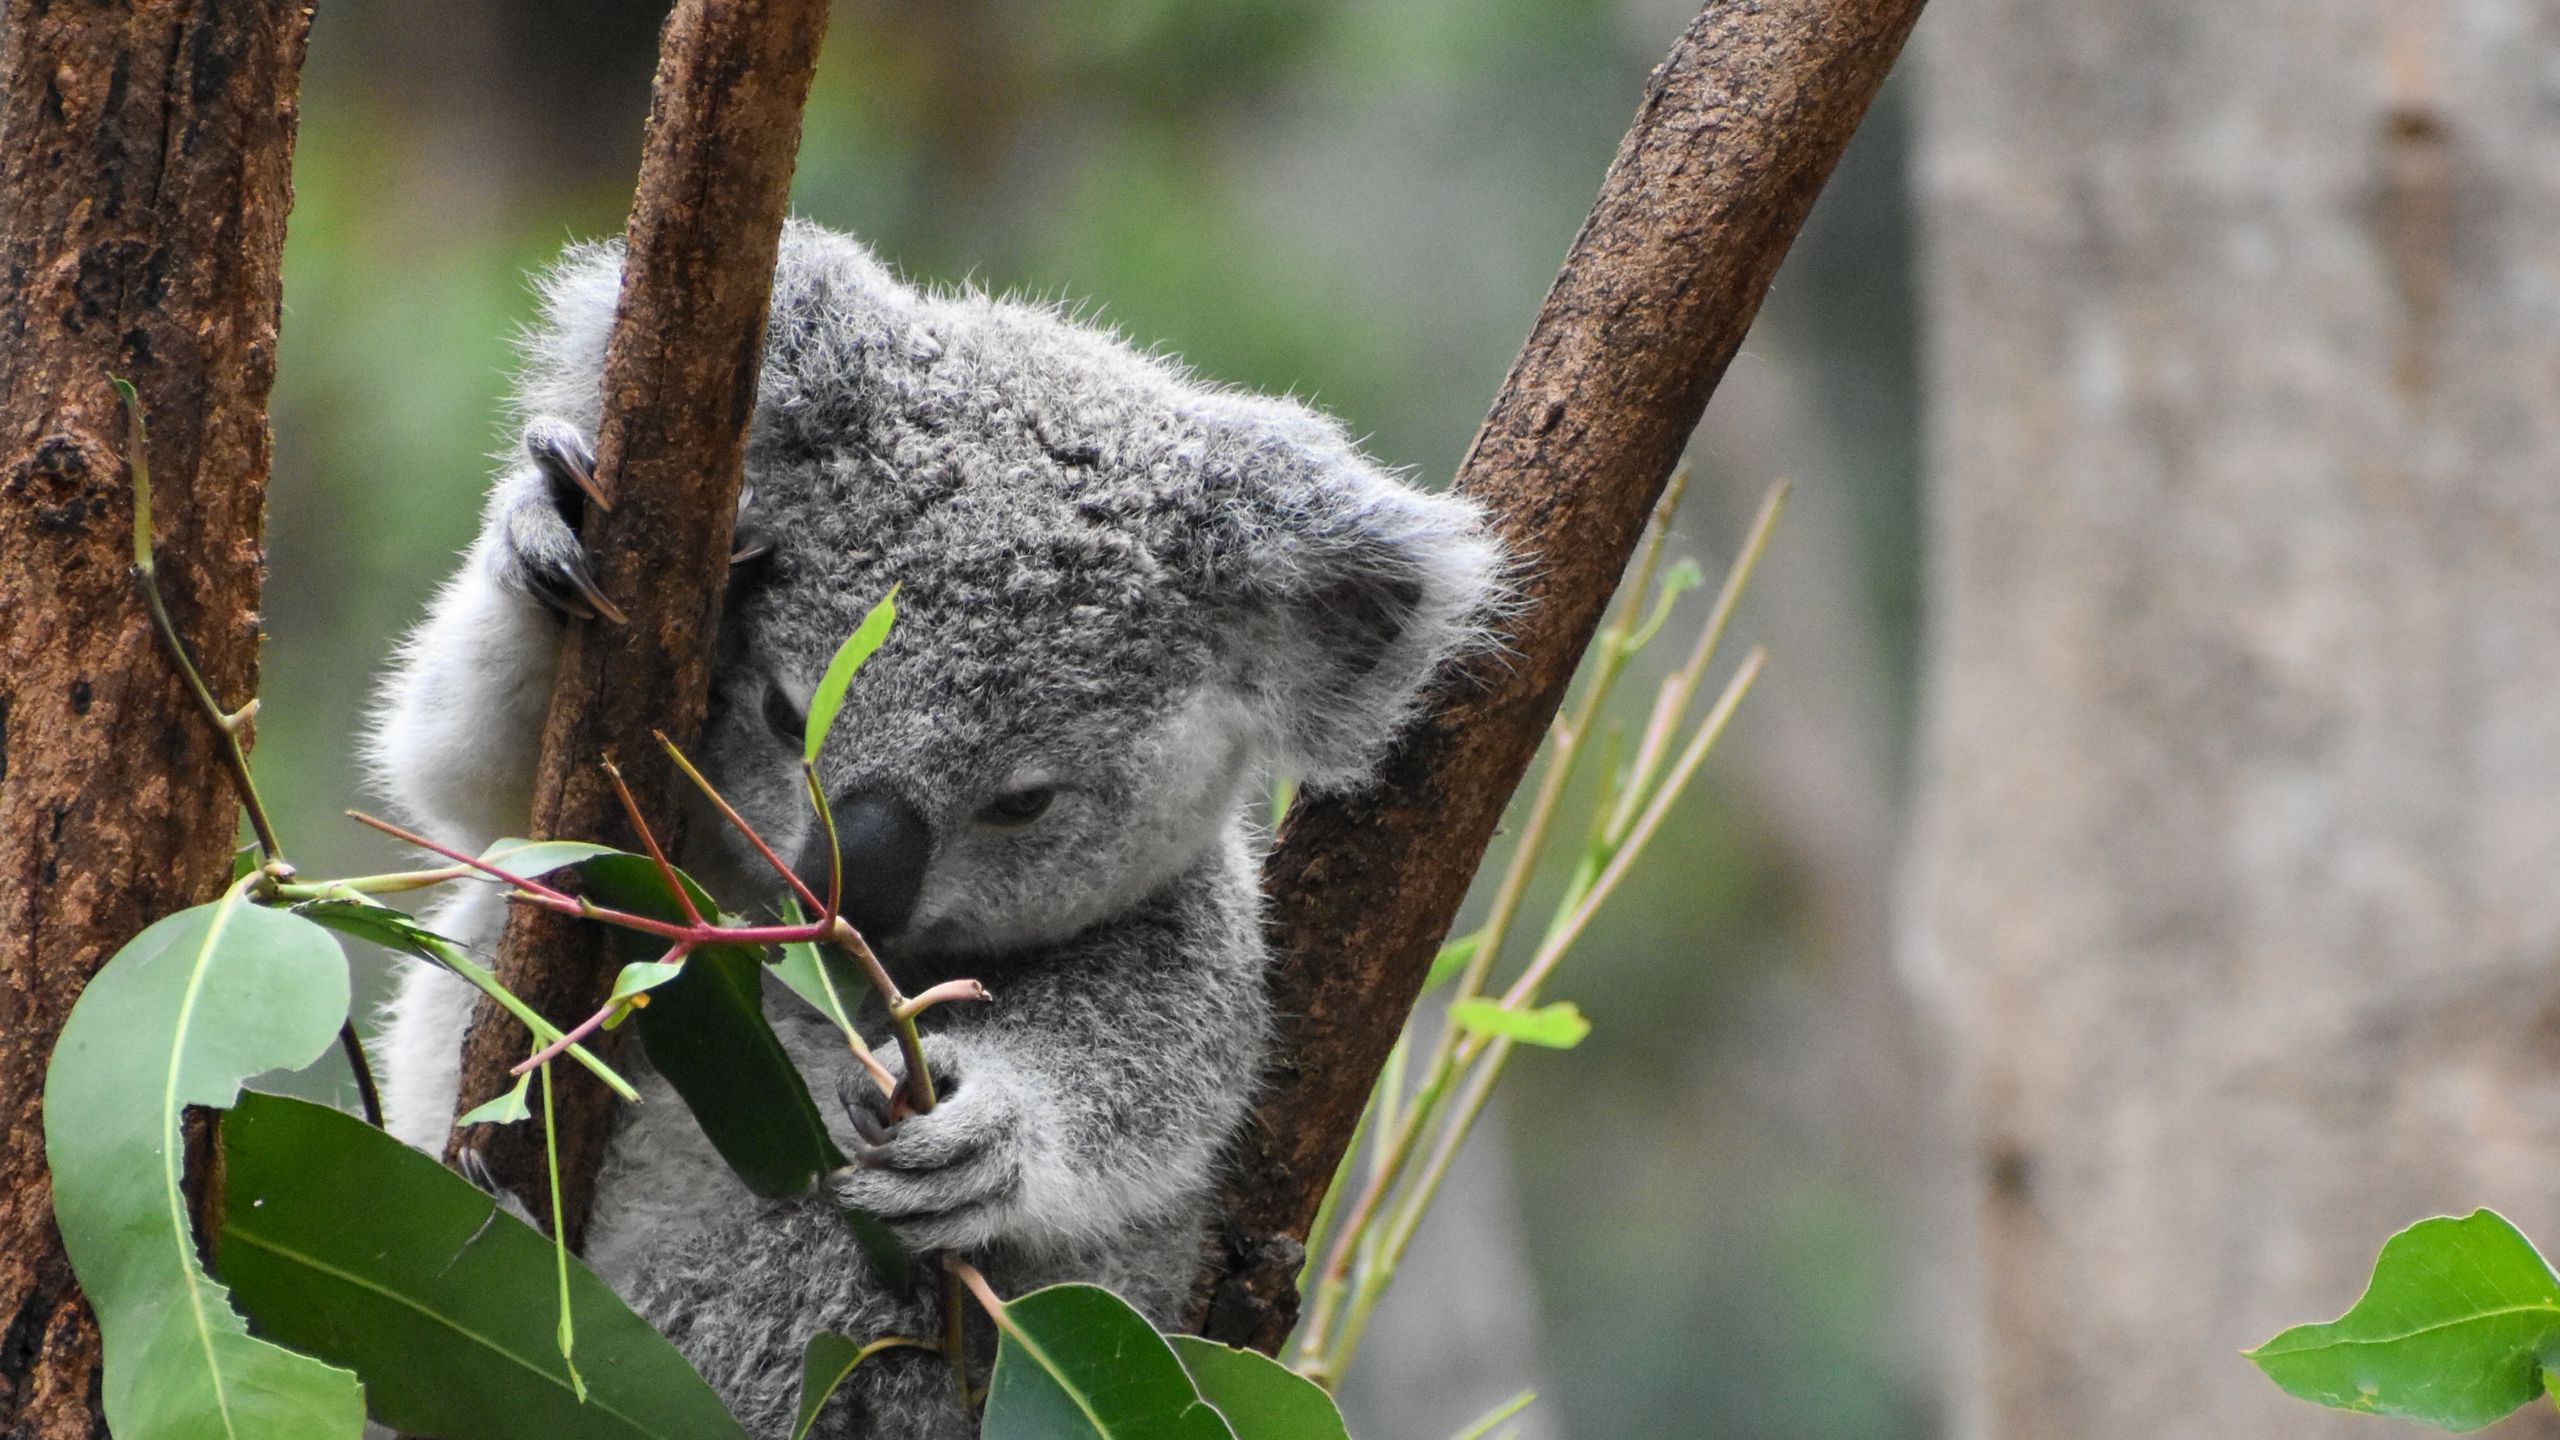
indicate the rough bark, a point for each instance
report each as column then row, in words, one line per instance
column 679, row 386
column 2236, row 888
column 1737, row 131
column 145, row 172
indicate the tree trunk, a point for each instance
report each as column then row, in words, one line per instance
column 679, row 385
column 2237, row 875
column 1737, row 130
column 145, row 155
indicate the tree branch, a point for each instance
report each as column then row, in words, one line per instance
column 679, row 386
column 1738, row 129
column 145, row 172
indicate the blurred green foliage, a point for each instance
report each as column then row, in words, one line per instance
column 1360, row 203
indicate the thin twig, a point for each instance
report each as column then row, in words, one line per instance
column 649, row 838
column 739, row 823
column 227, row 724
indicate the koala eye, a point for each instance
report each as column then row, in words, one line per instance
column 1019, row 807
column 785, row 712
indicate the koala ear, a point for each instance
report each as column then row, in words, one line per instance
column 1359, row 588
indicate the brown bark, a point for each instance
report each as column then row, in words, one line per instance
column 145, row 172
column 679, row 386
column 1738, row 129
column 2235, row 887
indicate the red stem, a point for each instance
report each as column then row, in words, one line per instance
column 666, row 872
column 534, row 887
column 739, row 823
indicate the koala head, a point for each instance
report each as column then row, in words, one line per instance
column 1122, row 596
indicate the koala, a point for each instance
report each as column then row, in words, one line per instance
column 1126, row 598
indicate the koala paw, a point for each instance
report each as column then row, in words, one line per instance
column 943, row 1180
column 540, row 554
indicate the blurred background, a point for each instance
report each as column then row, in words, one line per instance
column 1695, row 1223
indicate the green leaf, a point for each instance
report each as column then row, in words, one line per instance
column 2453, row 1331
column 1076, row 1363
column 1684, row 575
column 824, row 1365
column 707, row 1034
column 374, row 924
column 346, row 1243
column 180, row 1016
column 1559, row 1026
column 1261, row 1398
column 827, row 1362
column 641, row 976
column 1453, row 957
column 382, row 925
column 533, row 859
column 857, row 647
column 817, row 977
column 506, row 1109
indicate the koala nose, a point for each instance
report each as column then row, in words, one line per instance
column 883, row 844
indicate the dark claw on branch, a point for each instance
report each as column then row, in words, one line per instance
column 564, row 459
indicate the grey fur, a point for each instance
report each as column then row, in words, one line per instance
column 1114, row 581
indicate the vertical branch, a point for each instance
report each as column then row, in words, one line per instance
column 1738, row 129
column 679, row 386
column 145, row 163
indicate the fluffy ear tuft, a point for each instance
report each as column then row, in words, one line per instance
column 1361, row 587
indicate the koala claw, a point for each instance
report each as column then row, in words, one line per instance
column 750, row 542
column 562, row 454
column 543, row 556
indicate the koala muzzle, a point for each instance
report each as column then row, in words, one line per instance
column 883, row 844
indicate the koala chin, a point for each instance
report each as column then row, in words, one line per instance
column 1126, row 598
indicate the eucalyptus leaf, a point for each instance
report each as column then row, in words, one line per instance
column 2454, row 1330
column 1683, row 576
column 348, row 1244
column 180, row 1016
column 1559, row 1026
column 1453, row 957
column 641, row 976
column 1074, row 1362
column 533, row 859
column 826, row 1363
column 393, row 929
column 857, row 647
column 1261, row 1398
column 506, row 1109
column 706, row 1032
column 814, row 976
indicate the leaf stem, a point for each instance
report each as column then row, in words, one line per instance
column 657, row 856
column 1682, row 684
column 739, row 823
column 227, row 724
column 368, row 1094
column 1397, row 1135
column 392, row 883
